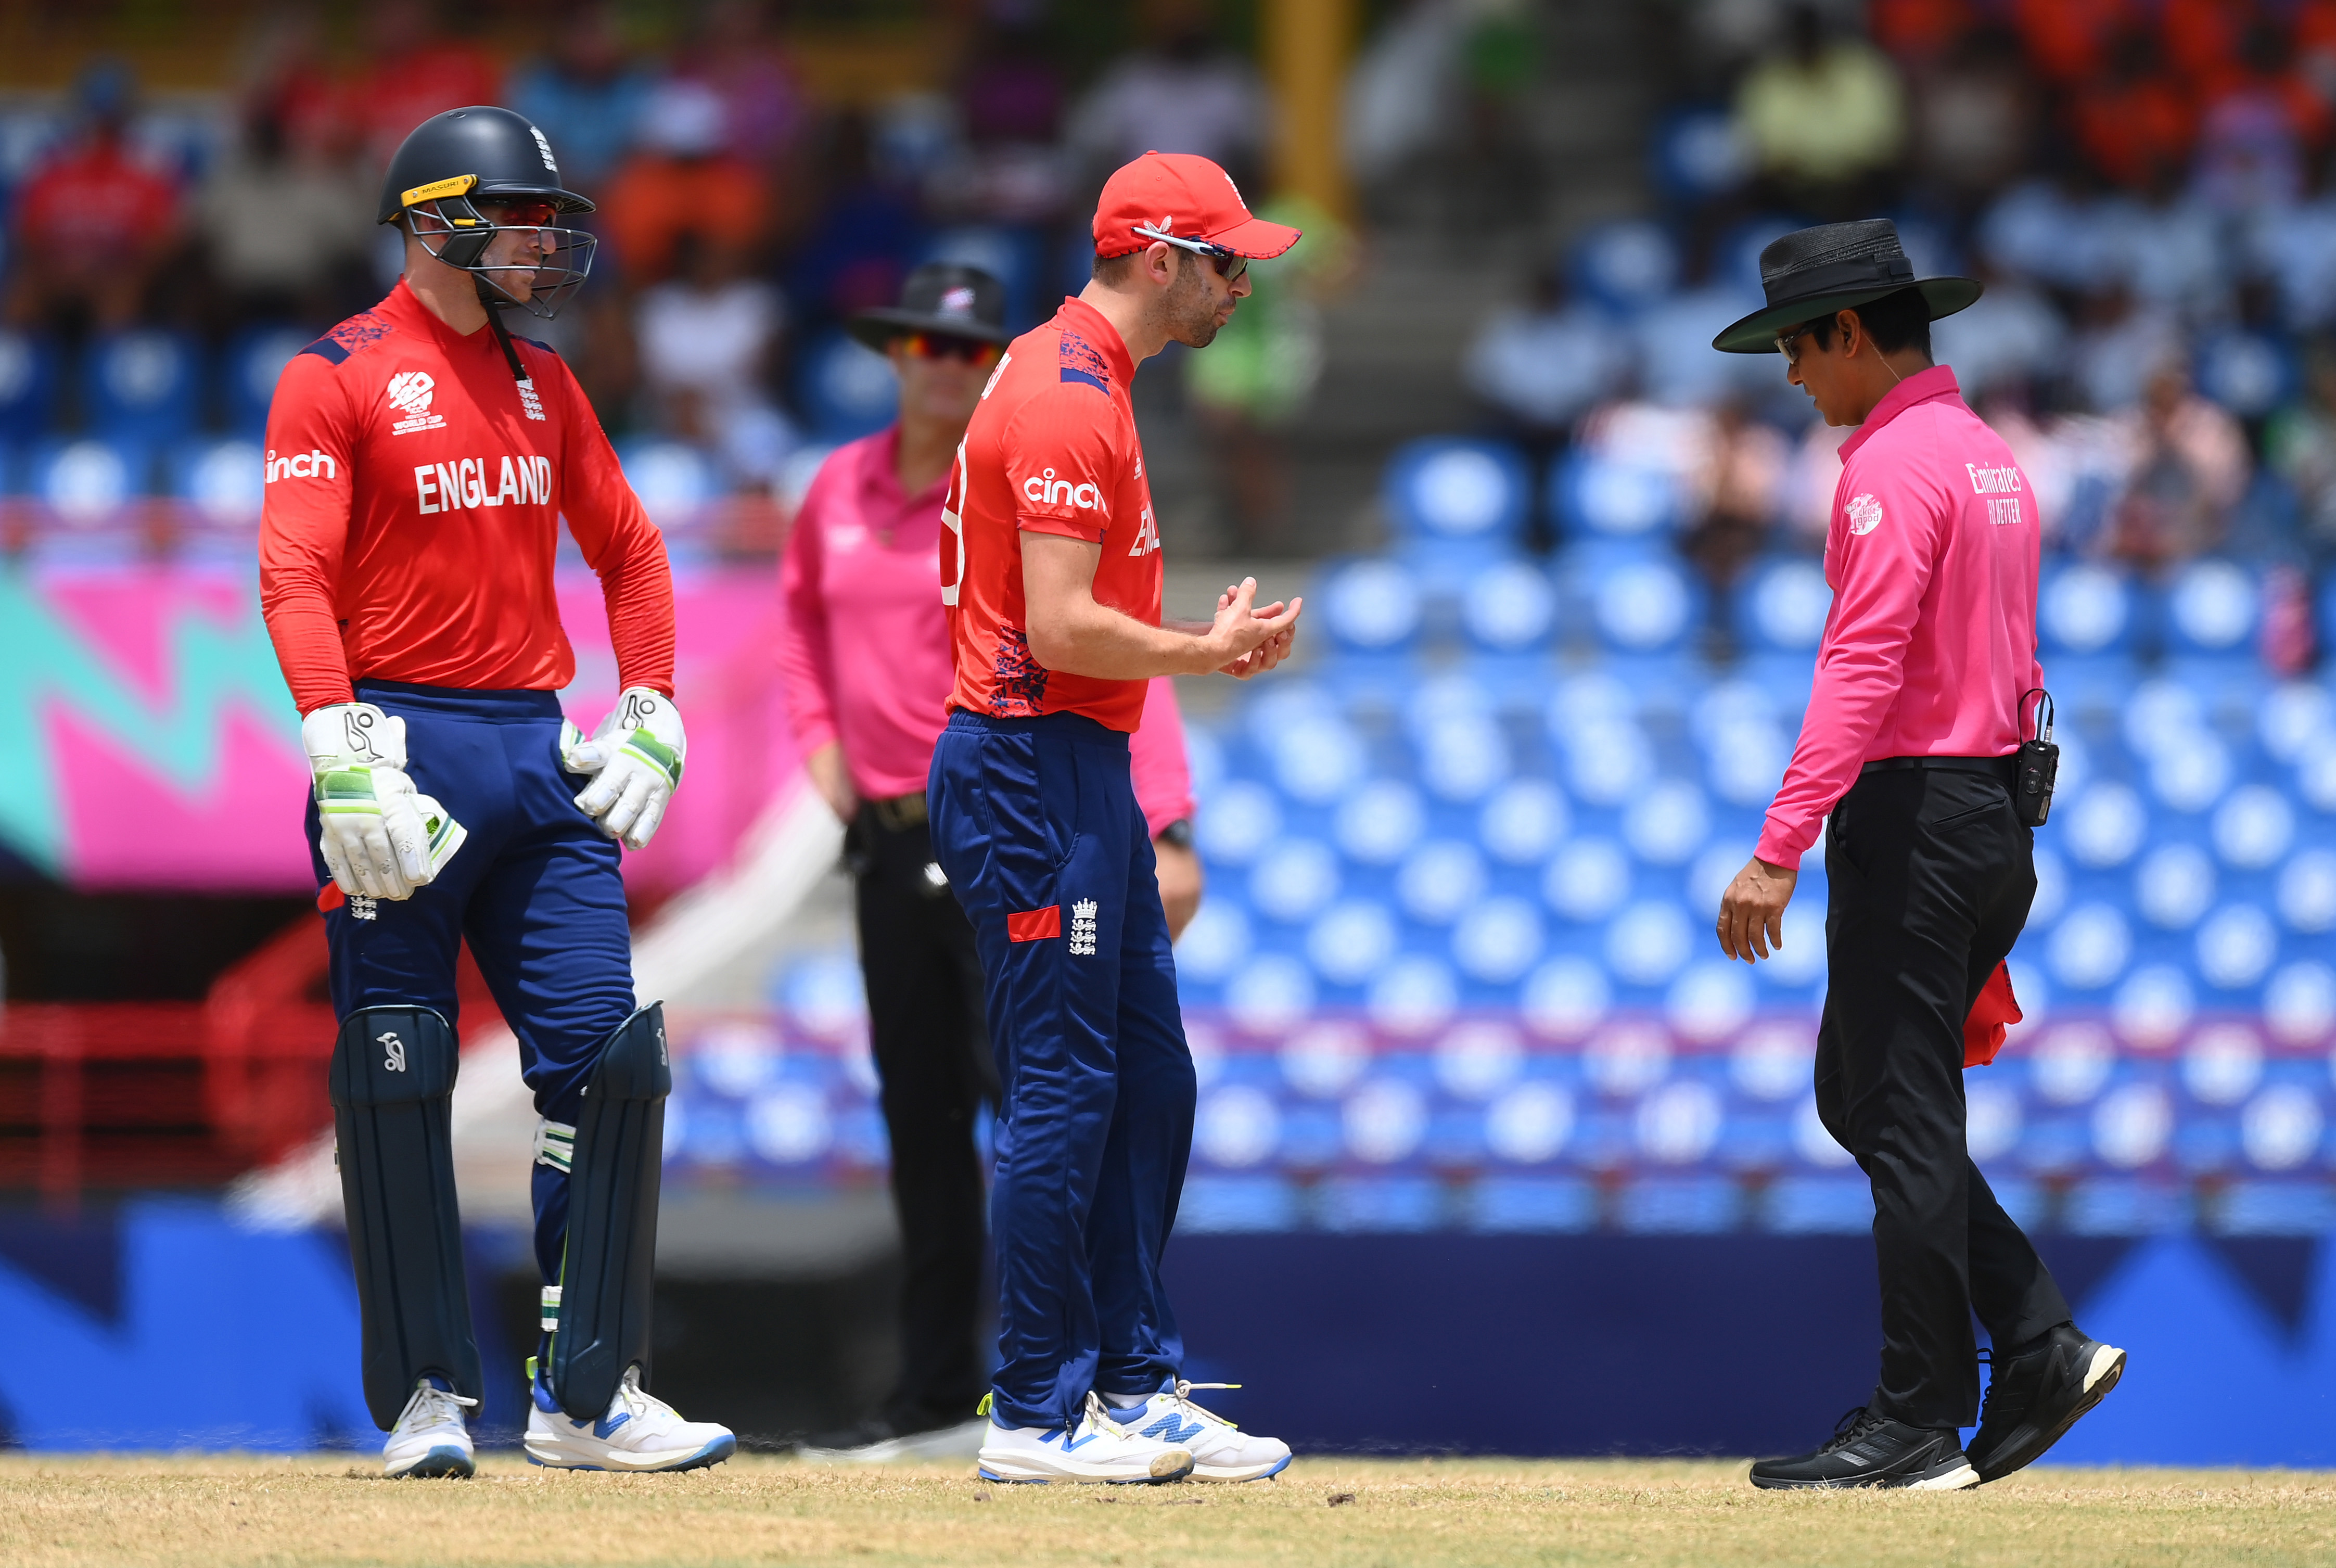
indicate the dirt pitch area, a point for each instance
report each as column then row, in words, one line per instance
column 1406, row 1514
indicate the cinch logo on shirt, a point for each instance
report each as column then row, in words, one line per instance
column 302, row 465
column 453, row 486
column 1047, row 491
column 410, row 391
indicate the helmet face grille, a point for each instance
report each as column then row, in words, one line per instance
column 456, row 233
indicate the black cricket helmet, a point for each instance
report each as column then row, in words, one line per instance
column 454, row 165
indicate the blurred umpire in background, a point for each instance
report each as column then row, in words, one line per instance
column 1907, row 760
column 866, row 659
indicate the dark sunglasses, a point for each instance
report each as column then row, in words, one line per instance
column 1229, row 264
column 1788, row 344
column 940, row 345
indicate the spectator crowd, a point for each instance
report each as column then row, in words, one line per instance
column 746, row 211
column 2147, row 188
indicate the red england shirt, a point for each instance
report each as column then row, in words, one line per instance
column 1052, row 449
column 413, row 498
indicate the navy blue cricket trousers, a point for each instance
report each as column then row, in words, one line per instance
column 536, row 888
column 1036, row 823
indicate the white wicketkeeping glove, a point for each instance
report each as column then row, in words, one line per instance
column 636, row 754
column 379, row 836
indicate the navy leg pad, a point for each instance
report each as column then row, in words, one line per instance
column 608, row 1271
column 393, row 1090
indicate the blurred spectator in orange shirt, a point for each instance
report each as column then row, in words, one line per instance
column 94, row 224
column 2069, row 39
column 682, row 180
column 2204, row 37
column 1918, row 32
column 2135, row 122
column 412, row 71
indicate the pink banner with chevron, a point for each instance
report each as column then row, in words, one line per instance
column 152, row 744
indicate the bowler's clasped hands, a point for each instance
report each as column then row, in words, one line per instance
column 1257, row 636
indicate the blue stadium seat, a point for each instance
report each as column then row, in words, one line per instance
column 2085, row 611
column 1371, row 607
column 1781, row 605
column 1650, row 607
column 143, row 386
column 845, row 389
column 675, row 481
column 1626, row 266
column 254, row 358
column 28, row 386
column 2212, row 610
column 222, row 482
column 1510, row 609
column 87, row 482
column 1598, row 497
column 1456, row 505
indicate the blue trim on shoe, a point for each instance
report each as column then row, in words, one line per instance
column 714, row 1453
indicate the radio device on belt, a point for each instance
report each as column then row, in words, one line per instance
column 2039, row 763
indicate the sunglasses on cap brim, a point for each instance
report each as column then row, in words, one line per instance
column 1229, row 264
column 942, row 345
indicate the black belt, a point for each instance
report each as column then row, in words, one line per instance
column 2005, row 769
column 899, row 814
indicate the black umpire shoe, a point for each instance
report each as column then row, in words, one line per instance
column 2033, row 1398
column 1871, row 1450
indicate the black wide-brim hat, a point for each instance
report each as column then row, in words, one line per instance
column 1813, row 272
column 940, row 297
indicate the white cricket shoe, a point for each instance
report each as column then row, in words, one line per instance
column 639, row 1432
column 1097, row 1448
column 431, row 1438
column 1221, row 1450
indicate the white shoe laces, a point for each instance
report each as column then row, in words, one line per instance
column 1184, row 1397
column 433, row 1406
column 639, row 1402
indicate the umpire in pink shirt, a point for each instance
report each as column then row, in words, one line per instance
column 865, row 653
column 1906, row 764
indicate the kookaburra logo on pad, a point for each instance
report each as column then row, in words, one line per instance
column 393, row 1051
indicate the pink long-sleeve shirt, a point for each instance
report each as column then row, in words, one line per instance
column 1931, row 643
column 865, row 645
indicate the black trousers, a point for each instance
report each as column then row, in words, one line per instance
column 932, row 1046
column 1931, row 875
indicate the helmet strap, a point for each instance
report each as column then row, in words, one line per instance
column 494, row 299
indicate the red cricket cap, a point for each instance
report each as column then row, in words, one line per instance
column 1185, row 195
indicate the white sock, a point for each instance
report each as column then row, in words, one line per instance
column 1125, row 1401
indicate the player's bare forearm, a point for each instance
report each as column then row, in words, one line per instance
column 1070, row 632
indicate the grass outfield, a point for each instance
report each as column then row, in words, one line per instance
column 1405, row 1514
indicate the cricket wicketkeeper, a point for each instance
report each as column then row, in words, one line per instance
column 419, row 460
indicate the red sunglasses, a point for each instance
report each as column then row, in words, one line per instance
column 523, row 212
column 940, row 345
